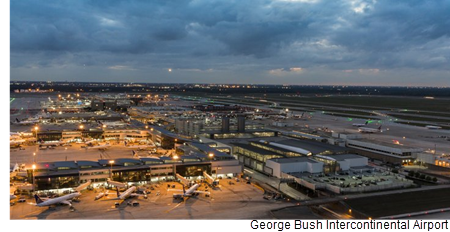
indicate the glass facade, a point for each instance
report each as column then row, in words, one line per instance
column 193, row 170
column 44, row 183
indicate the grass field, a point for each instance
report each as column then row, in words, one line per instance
column 410, row 105
column 421, row 124
column 401, row 203
column 348, row 116
column 415, row 118
column 427, row 113
column 384, row 102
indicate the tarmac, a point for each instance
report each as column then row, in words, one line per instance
column 236, row 201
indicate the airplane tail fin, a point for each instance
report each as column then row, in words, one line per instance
column 367, row 122
column 38, row 199
column 17, row 120
column 379, row 128
column 117, row 190
column 184, row 190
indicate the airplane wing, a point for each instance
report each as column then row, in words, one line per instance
column 174, row 190
column 203, row 192
column 83, row 186
column 137, row 195
column 116, row 184
column 66, row 202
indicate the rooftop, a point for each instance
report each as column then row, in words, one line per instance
column 255, row 149
column 293, row 160
column 382, row 143
column 313, row 146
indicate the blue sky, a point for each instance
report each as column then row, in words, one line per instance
column 354, row 42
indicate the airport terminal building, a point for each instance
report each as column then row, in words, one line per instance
column 68, row 174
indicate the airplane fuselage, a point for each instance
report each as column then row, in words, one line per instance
column 58, row 200
column 127, row 193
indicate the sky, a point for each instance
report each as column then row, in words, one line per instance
column 300, row 42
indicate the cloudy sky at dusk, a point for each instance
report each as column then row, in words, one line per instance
column 357, row 42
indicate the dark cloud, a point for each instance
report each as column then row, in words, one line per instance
column 234, row 37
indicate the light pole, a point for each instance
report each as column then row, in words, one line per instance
column 32, row 175
column 175, row 157
column 81, row 127
column 36, row 128
column 110, row 170
column 34, row 157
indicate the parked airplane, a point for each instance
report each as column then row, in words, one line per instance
column 127, row 193
column 101, row 194
column 298, row 116
column 16, row 143
column 15, row 135
column 30, row 121
column 259, row 117
column 140, row 147
column 360, row 124
column 187, row 193
column 369, row 130
column 66, row 199
column 51, row 144
column 279, row 117
column 433, row 127
column 12, row 189
column 100, row 147
column 90, row 142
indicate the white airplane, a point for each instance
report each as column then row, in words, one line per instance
column 360, row 124
column 51, row 144
column 298, row 116
column 433, row 127
column 15, row 135
column 12, row 189
column 140, row 147
column 127, row 193
column 66, row 199
column 16, row 143
column 102, row 194
column 91, row 142
column 187, row 193
column 59, row 200
column 100, row 147
column 258, row 117
column 279, row 117
column 30, row 121
column 369, row 130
